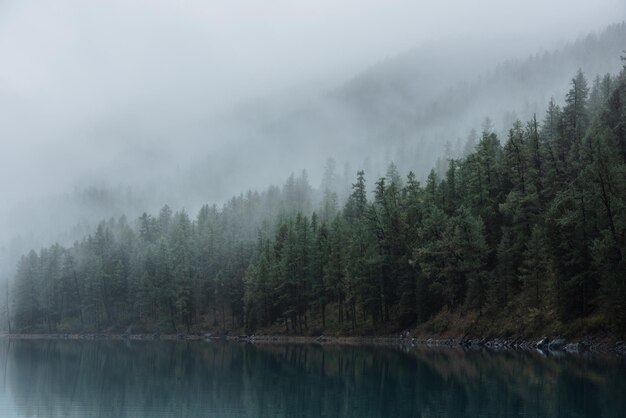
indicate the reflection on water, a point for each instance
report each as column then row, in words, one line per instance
column 198, row 379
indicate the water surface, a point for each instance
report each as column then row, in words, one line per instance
column 52, row 378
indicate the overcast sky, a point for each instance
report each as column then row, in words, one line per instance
column 84, row 82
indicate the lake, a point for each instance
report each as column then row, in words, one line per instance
column 77, row 378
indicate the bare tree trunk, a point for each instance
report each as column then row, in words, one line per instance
column 80, row 301
column 7, row 305
column 173, row 318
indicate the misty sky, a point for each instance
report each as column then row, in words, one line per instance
column 96, row 91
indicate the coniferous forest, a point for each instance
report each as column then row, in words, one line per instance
column 524, row 234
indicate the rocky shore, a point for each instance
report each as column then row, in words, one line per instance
column 545, row 344
column 554, row 345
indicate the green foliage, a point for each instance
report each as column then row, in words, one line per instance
column 536, row 224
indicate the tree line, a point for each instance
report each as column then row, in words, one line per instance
column 532, row 224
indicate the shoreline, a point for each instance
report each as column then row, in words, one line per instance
column 545, row 344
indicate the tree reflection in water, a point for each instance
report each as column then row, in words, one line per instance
column 194, row 378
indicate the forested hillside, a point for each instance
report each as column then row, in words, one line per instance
column 410, row 108
column 523, row 235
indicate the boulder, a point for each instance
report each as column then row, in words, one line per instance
column 557, row 344
column 542, row 343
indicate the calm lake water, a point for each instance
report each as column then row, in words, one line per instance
column 217, row 379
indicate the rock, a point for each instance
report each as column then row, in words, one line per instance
column 584, row 345
column 498, row 344
column 557, row 344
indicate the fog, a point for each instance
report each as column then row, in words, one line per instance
column 155, row 102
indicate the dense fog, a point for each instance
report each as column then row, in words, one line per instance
column 111, row 108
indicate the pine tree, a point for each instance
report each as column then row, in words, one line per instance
column 534, row 269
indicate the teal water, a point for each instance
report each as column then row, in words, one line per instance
column 215, row 379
